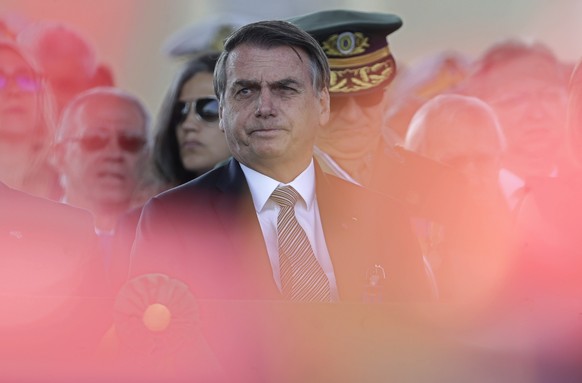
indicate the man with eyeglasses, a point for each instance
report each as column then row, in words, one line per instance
column 101, row 152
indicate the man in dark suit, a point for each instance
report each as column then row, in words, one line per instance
column 51, row 288
column 218, row 233
column 227, row 233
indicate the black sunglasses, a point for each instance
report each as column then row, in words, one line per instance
column 364, row 100
column 95, row 142
column 206, row 109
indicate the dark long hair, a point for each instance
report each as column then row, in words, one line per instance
column 166, row 153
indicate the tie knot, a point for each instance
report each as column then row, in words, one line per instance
column 285, row 196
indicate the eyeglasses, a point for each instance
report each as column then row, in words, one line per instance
column 26, row 82
column 95, row 142
column 206, row 109
column 364, row 100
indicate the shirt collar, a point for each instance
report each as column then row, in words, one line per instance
column 262, row 186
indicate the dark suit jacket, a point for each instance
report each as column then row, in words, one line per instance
column 51, row 281
column 207, row 234
column 429, row 189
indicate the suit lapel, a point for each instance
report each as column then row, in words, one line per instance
column 343, row 230
column 236, row 213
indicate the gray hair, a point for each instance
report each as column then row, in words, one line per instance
column 66, row 127
column 443, row 111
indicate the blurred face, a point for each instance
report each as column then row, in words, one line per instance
column 102, row 158
column 354, row 125
column 270, row 112
column 530, row 102
column 63, row 63
column 18, row 95
column 202, row 144
column 473, row 150
column 66, row 79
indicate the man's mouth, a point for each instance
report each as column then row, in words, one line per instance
column 109, row 175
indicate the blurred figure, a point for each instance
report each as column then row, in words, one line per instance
column 574, row 118
column 49, row 279
column 188, row 141
column 418, row 83
column 102, row 152
column 68, row 61
column 549, row 218
column 547, row 283
column 26, row 124
column 471, row 255
column 462, row 132
column 102, row 146
column 10, row 24
column 205, row 36
column 525, row 84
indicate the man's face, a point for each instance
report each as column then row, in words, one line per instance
column 103, row 155
column 530, row 101
column 473, row 148
column 270, row 111
column 354, row 125
column 18, row 95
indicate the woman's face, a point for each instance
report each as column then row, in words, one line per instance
column 19, row 87
column 202, row 145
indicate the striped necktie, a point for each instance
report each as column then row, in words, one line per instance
column 302, row 278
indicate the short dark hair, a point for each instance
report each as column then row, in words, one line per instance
column 270, row 34
column 166, row 154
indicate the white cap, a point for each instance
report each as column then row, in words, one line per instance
column 206, row 35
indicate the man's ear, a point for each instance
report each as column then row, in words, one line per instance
column 220, row 120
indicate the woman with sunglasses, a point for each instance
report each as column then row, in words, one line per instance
column 188, row 142
column 26, row 124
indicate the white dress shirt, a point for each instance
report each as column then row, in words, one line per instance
column 306, row 211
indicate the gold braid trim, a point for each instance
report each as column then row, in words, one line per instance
column 363, row 78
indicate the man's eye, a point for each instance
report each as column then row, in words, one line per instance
column 243, row 92
column 287, row 89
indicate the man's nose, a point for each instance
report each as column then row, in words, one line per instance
column 113, row 148
column 265, row 105
column 351, row 110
